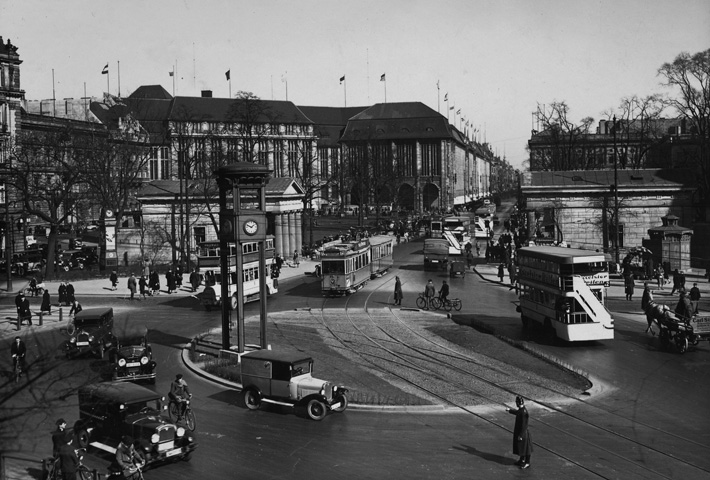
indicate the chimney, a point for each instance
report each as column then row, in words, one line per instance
column 206, row 93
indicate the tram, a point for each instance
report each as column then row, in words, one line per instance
column 347, row 266
column 208, row 266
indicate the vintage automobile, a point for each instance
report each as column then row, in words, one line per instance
column 133, row 356
column 284, row 378
column 92, row 332
column 110, row 410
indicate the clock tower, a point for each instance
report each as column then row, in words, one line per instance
column 242, row 204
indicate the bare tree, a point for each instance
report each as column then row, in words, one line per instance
column 638, row 129
column 689, row 75
column 558, row 145
column 45, row 171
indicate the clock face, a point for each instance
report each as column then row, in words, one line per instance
column 250, row 227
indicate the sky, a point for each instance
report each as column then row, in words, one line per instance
column 496, row 60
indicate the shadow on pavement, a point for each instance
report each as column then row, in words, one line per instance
column 489, row 457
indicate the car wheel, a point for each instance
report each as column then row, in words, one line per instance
column 343, row 403
column 83, row 438
column 316, row 409
column 252, row 399
column 233, row 302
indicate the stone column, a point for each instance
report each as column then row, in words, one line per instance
column 299, row 231
column 279, row 233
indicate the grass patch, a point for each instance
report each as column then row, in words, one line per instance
column 226, row 368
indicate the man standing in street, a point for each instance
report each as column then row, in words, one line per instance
column 522, row 440
column 58, row 437
column 68, row 460
column 694, row 299
column 132, row 285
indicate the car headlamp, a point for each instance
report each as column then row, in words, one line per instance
column 72, row 340
column 144, row 360
column 155, row 438
column 121, row 362
column 180, row 432
column 91, row 338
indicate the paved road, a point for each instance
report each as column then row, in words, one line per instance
column 616, row 433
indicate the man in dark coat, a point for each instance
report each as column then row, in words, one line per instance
column 170, row 281
column 19, row 298
column 397, row 291
column 26, row 313
column 62, row 292
column 68, row 460
column 58, row 437
column 70, row 293
column 178, row 275
column 195, row 280
column 46, row 306
column 18, row 350
column 132, row 285
column 522, row 440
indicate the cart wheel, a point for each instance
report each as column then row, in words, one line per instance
column 681, row 341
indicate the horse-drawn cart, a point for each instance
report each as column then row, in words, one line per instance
column 683, row 332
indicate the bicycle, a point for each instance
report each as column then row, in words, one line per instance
column 423, row 302
column 450, row 303
column 83, row 472
column 188, row 416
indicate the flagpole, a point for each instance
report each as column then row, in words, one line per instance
column 385, row 89
column 108, row 81
column 345, row 92
column 173, row 75
column 119, row 78
column 54, row 97
column 438, row 97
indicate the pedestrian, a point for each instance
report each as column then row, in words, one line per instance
column 478, row 249
column 659, row 277
column 676, row 281
column 296, row 260
column 70, row 293
column 683, row 309
column 178, row 275
column 154, row 282
column 469, row 259
column 132, row 285
column 429, row 292
column 62, row 293
column 501, row 272
column 279, row 261
column 114, row 280
column 397, row 291
column 170, row 280
column 522, row 439
column 75, row 308
column 46, row 303
column 58, row 437
column 143, row 285
column 195, row 280
column 694, row 299
column 33, row 286
column 681, row 280
column 629, row 286
column 26, row 313
column 19, row 300
column 646, row 304
column 68, row 461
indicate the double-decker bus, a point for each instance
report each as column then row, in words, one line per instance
column 208, row 265
column 564, row 290
column 347, row 266
column 457, row 231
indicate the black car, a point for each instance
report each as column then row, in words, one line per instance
column 133, row 357
column 110, row 410
column 92, row 332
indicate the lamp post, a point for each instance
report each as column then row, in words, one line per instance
column 616, row 197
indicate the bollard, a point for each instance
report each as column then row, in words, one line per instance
column 60, row 314
column 19, row 321
column 40, row 318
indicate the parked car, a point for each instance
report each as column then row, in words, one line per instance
column 92, row 332
column 24, row 262
column 285, row 378
column 110, row 410
column 133, row 356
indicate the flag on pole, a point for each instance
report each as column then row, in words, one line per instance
column 452, row 107
column 171, row 73
column 382, row 77
column 226, row 74
column 458, row 111
column 105, row 70
column 446, row 97
column 437, row 84
column 342, row 79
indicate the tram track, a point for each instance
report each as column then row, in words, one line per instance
column 450, row 359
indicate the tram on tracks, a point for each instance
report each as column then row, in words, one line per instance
column 347, row 266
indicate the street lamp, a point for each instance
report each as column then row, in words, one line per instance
column 616, row 197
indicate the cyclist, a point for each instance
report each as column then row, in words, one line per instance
column 127, row 458
column 18, row 351
column 444, row 293
column 178, row 392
